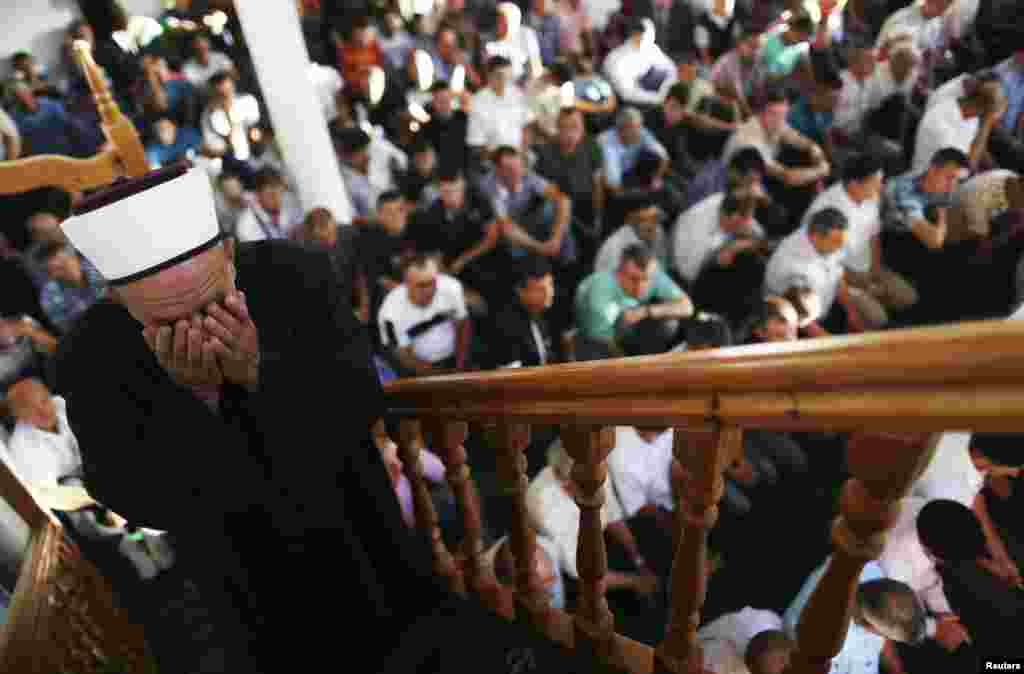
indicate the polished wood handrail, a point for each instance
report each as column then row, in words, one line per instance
column 961, row 376
column 123, row 155
column 975, row 352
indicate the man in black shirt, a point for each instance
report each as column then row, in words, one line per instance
column 460, row 227
column 521, row 337
column 382, row 247
column 572, row 162
column 446, row 130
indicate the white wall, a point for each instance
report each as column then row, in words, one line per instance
column 38, row 26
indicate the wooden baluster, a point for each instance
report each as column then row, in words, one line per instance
column 410, row 442
column 701, row 455
column 589, row 447
column 884, row 467
column 531, row 600
column 119, row 130
column 449, row 439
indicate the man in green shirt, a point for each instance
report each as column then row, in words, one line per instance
column 781, row 51
column 609, row 302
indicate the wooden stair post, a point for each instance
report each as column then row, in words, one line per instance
column 884, row 466
column 449, row 437
column 531, row 599
column 589, row 447
column 410, row 443
column 701, row 456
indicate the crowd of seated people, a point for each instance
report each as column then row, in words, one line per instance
column 529, row 188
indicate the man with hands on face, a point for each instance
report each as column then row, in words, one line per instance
column 194, row 391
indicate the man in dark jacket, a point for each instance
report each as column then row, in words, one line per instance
column 521, row 335
column 200, row 395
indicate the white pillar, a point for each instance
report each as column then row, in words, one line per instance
column 278, row 50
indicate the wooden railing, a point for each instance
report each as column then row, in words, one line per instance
column 892, row 391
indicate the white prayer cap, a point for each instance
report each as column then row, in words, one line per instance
column 141, row 226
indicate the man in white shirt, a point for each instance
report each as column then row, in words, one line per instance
column 274, row 213
column 640, row 72
column 228, row 120
column 721, row 251
column 516, row 42
column 963, row 123
column 767, row 131
column 883, row 609
column 205, row 63
column 855, row 97
column 553, row 510
column 499, row 113
column 812, row 258
column 873, row 288
column 733, row 640
column 643, row 225
column 424, row 321
column 639, row 467
column 921, row 25
column 42, row 449
column 721, row 224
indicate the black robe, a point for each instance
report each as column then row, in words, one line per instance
column 280, row 506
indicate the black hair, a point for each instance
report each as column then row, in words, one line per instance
column 951, row 531
column 562, row 71
column 449, row 174
column 634, row 201
column 802, row 23
column 504, row 151
column 830, row 78
column 496, row 62
column 19, row 56
column 774, row 92
column 637, row 253
column 636, row 25
column 49, row 249
column 440, row 85
column 420, row 145
column 218, row 78
column 747, row 160
column 417, row 260
column 679, row 92
column 1001, row 448
column 709, row 333
column 950, row 155
column 389, row 196
column 860, row 166
column 531, row 267
column 686, row 56
column 764, row 642
column 826, row 220
column 353, row 139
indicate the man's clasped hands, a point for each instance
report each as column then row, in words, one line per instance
column 217, row 345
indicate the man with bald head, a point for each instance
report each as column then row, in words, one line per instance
column 226, row 394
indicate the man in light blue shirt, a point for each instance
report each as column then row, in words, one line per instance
column 624, row 146
column 1011, row 75
column 1007, row 141
column 884, row 609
